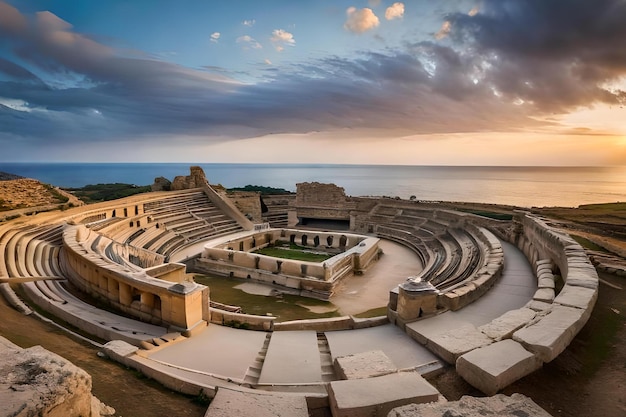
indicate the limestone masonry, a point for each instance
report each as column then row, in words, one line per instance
column 135, row 254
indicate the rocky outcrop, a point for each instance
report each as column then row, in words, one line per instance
column 36, row 382
column 161, row 184
column 500, row 405
column 196, row 179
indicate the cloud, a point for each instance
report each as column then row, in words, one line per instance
column 533, row 51
column 215, row 37
column 249, row 42
column 249, row 23
column 474, row 11
column 360, row 20
column 281, row 38
column 267, row 61
column 444, row 30
column 395, row 11
column 61, row 88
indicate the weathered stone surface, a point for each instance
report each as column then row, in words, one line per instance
column 505, row 325
column 583, row 277
column 454, row 343
column 37, row 382
column 378, row 396
column 229, row 403
column 538, row 305
column 579, row 297
column 517, row 405
column 544, row 294
column 546, row 282
column 161, row 184
column 364, row 365
column 548, row 337
column 196, row 179
column 496, row 366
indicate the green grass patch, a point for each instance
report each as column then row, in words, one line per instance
column 604, row 206
column 94, row 193
column 588, row 244
column 374, row 312
column 286, row 250
column 285, row 308
column 262, row 189
column 603, row 341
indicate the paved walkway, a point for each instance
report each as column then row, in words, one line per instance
column 293, row 356
column 512, row 291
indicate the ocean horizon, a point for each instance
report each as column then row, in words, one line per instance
column 511, row 185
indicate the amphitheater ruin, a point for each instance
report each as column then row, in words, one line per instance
column 494, row 299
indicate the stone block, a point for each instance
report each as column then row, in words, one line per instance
column 496, row 366
column 546, row 282
column 582, row 278
column 500, row 405
column 538, row 305
column 378, row 396
column 544, row 294
column 449, row 345
column 228, row 403
column 36, row 382
column 504, row 326
column 364, row 365
column 550, row 335
column 579, row 297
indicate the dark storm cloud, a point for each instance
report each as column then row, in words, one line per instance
column 557, row 53
column 552, row 54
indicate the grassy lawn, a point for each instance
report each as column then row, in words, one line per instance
column 288, row 250
column 374, row 312
column 587, row 244
column 285, row 308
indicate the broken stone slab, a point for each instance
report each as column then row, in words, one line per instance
column 504, row 326
column 120, row 351
column 378, row 396
column 496, row 366
column 538, row 305
column 364, row 365
column 228, row 403
column 451, row 344
column 579, row 297
column 517, row 405
column 550, row 335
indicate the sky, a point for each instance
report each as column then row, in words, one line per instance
column 421, row 82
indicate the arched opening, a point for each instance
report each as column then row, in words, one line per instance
column 132, row 223
column 136, row 210
column 343, row 240
column 329, row 241
column 316, row 241
column 304, row 240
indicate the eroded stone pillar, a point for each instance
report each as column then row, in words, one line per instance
column 416, row 299
column 126, row 296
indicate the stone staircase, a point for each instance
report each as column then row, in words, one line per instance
column 254, row 371
column 326, row 359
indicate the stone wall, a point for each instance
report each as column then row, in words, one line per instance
column 182, row 305
column 322, row 201
column 248, row 202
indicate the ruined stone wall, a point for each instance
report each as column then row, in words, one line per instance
column 196, row 179
column 249, row 203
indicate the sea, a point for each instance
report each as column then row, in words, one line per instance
column 517, row 186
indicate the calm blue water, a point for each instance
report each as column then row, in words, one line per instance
column 520, row 186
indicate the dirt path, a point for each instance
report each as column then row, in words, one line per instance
column 130, row 393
